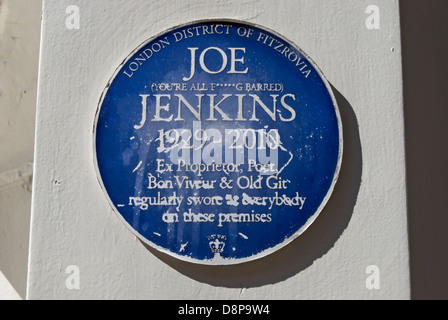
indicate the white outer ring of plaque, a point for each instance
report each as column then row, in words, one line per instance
column 222, row 261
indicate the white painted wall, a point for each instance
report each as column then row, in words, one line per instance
column 363, row 224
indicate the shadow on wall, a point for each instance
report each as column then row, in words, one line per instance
column 425, row 65
column 307, row 248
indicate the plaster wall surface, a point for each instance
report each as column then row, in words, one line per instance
column 363, row 224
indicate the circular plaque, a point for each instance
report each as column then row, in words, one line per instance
column 218, row 142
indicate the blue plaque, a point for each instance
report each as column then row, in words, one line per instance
column 218, row 142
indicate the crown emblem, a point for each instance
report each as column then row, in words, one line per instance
column 217, row 246
column 217, row 243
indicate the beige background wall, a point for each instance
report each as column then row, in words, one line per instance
column 19, row 55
